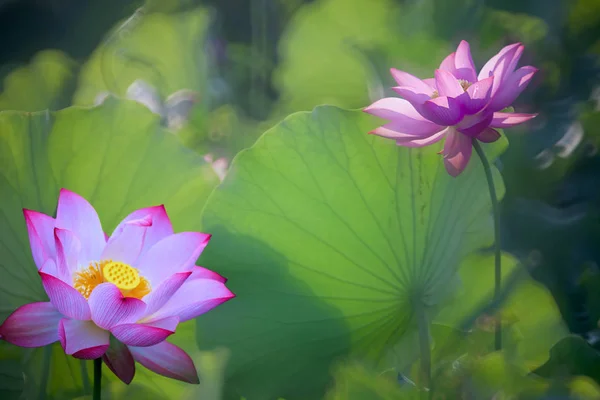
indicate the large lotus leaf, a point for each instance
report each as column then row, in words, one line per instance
column 164, row 50
column 120, row 159
column 573, row 356
column 328, row 234
column 43, row 84
column 324, row 49
column 530, row 311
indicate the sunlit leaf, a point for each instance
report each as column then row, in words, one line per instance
column 329, row 235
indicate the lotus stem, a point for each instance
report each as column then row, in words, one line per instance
column 97, row 378
column 497, row 251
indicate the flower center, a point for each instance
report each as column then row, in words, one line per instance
column 465, row 84
column 123, row 276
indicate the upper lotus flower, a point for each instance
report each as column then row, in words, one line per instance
column 136, row 285
column 457, row 103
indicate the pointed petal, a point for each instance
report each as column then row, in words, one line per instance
column 67, row 300
column 489, row 135
column 406, row 121
column 415, row 97
column 479, row 95
column 444, row 111
column 473, row 125
column 406, row 79
column 430, row 82
column 168, row 360
column 196, row 296
column 82, row 339
column 110, row 308
column 465, row 67
column 125, row 245
column 160, row 229
column 68, row 248
column 32, row 325
column 74, row 213
column 448, row 64
column 421, row 142
column 146, row 334
column 506, row 120
column 512, row 88
column 159, row 296
column 457, row 152
column 447, row 84
column 173, row 254
column 499, row 64
column 119, row 360
column 40, row 228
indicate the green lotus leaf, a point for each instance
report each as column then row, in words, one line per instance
column 43, row 84
column 119, row 158
column 330, row 235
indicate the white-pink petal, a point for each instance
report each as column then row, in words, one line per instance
column 406, row 79
column 76, row 214
column 479, row 95
column 507, row 120
column 66, row 299
column 405, row 119
column 83, row 339
column 443, row 110
column 40, row 228
column 146, row 334
column 160, row 295
column 125, row 244
column 168, row 360
column 421, row 142
column 32, row 325
column 68, row 248
column 195, row 297
column 512, row 87
column 447, row 84
column 173, row 254
column 463, row 61
column 110, row 308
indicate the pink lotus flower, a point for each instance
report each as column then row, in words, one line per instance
column 457, row 104
column 136, row 285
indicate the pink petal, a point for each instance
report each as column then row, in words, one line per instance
column 406, row 79
column 479, row 95
column 147, row 334
column 473, row 125
column 447, row 84
column 195, row 297
column 125, row 245
column 512, row 88
column 449, row 64
column 489, row 135
column 205, row 273
column 82, row 339
column 40, row 228
column 161, row 225
column 430, row 82
column 32, row 325
column 160, row 295
column 415, row 97
column 406, row 121
column 500, row 64
column 444, row 111
column 506, row 120
column 110, row 308
column 68, row 248
column 75, row 214
column 67, row 300
column 457, row 152
column 421, row 142
column 119, row 360
column 465, row 67
column 173, row 254
column 168, row 360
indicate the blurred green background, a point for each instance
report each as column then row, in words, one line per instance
column 217, row 74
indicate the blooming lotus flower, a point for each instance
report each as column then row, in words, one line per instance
column 457, row 104
column 136, row 285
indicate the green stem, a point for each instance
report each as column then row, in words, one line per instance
column 498, row 254
column 425, row 350
column 97, row 378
